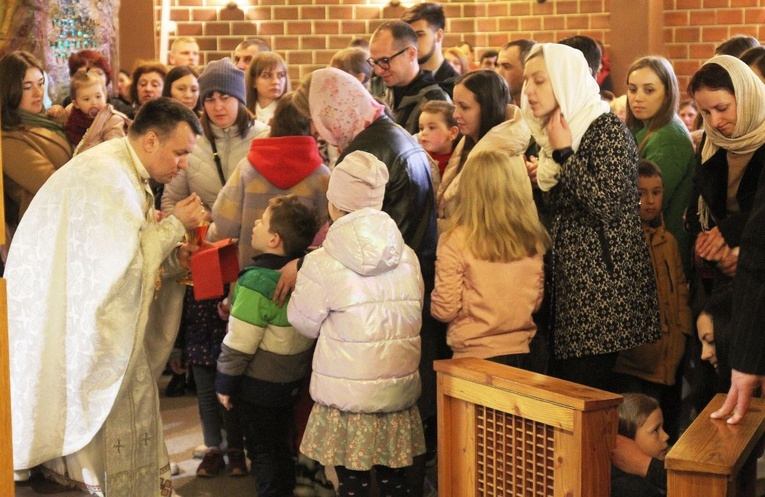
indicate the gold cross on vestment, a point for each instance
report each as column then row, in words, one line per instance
column 118, row 445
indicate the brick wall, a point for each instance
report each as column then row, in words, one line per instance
column 692, row 29
column 308, row 32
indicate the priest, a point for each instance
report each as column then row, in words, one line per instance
column 88, row 263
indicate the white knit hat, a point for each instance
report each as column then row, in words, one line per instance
column 358, row 182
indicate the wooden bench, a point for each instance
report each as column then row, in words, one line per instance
column 503, row 431
column 715, row 459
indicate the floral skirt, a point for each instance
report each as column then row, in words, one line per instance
column 359, row 441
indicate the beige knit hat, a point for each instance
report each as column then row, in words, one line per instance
column 358, row 182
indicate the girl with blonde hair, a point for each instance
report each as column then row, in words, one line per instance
column 491, row 254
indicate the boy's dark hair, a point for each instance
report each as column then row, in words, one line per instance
column 359, row 42
column 442, row 107
column 634, row 411
column 648, row 169
column 433, row 13
column 589, row 49
column 294, row 222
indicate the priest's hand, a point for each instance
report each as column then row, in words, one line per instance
column 185, row 251
column 225, row 400
column 190, row 211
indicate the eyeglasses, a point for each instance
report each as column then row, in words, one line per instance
column 384, row 62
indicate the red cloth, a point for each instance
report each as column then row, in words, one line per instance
column 442, row 159
column 285, row 161
column 76, row 125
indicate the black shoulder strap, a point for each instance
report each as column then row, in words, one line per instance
column 217, row 162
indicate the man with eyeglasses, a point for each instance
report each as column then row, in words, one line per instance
column 393, row 55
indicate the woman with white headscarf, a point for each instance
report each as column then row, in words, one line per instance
column 731, row 99
column 604, row 291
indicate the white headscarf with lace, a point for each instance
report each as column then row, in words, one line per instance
column 578, row 96
column 749, row 133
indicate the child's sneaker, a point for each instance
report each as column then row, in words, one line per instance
column 212, row 464
column 237, row 464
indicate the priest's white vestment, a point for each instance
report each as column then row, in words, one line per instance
column 88, row 265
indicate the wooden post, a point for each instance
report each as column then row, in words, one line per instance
column 715, row 459
column 505, row 431
column 6, row 446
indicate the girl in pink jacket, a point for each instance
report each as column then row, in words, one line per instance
column 489, row 268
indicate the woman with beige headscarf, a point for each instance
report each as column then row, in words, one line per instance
column 731, row 99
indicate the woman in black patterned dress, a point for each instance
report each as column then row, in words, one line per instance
column 604, row 291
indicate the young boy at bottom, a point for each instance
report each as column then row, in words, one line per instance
column 263, row 360
column 652, row 368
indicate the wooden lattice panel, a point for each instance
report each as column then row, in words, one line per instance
column 506, row 432
column 514, row 456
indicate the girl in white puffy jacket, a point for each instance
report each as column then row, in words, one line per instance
column 361, row 295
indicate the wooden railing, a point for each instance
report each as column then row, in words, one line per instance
column 715, row 459
column 504, row 431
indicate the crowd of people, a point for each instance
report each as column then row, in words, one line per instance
column 403, row 205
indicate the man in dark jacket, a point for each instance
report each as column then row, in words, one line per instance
column 393, row 50
column 428, row 21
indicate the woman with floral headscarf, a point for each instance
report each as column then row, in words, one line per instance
column 347, row 116
column 604, row 290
